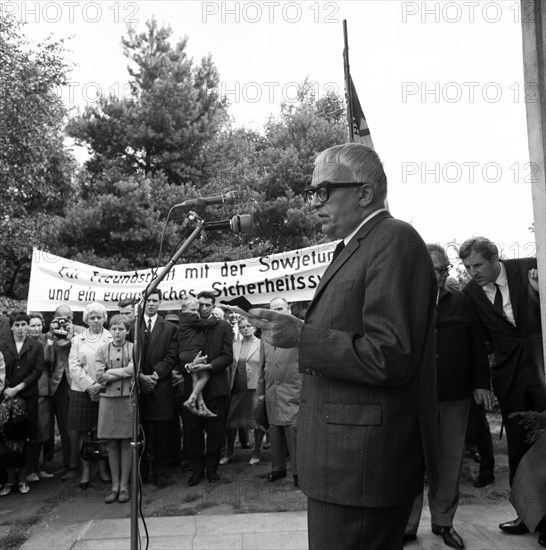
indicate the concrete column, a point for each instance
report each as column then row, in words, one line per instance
column 533, row 19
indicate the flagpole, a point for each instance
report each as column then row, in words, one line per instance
column 348, row 89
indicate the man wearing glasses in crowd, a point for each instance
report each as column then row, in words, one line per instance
column 462, row 370
column 367, row 419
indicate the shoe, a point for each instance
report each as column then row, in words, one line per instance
column 42, row 474
column 23, row 487
column 5, row 490
column 542, row 537
column 275, row 476
column 71, row 473
column 254, row 460
column 296, row 480
column 195, row 478
column 225, row 460
column 124, row 496
column 106, row 479
column 187, row 467
column 112, row 496
column 515, row 527
column 450, row 536
column 245, row 446
column 161, row 482
column 408, row 537
column 84, row 485
column 213, row 477
column 483, row 481
column 32, row 478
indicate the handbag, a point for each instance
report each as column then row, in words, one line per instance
column 94, row 449
column 14, row 431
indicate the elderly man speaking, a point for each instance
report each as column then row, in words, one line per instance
column 367, row 419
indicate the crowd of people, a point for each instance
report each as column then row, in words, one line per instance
column 200, row 368
column 388, row 377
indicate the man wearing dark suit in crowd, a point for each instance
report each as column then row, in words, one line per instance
column 367, row 418
column 505, row 295
column 462, row 372
column 159, row 357
column 205, row 456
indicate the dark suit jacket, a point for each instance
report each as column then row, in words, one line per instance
column 462, row 364
column 26, row 366
column 368, row 411
column 511, row 342
column 161, row 357
column 219, row 349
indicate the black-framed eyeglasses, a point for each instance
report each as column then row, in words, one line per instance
column 322, row 190
column 443, row 270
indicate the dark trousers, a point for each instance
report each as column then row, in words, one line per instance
column 156, row 450
column 205, row 457
column 59, row 403
column 355, row 527
column 478, row 434
column 176, row 450
column 527, row 393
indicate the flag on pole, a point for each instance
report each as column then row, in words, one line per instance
column 359, row 130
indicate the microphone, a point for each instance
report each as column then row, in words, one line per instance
column 238, row 224
column 231, row 197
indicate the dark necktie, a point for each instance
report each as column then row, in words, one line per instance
column 340, row 246
column 497, row 303
column 149, row 328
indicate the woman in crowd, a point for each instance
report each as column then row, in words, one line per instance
column 115, row 372
column 245, row 371
column 24, row 360
column 44, row 438
column 83, row 408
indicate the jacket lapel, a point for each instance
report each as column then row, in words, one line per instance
column 345, row 254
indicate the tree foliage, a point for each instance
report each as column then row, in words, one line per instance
column 171, row 140
column 163, row 125
column 35, row 166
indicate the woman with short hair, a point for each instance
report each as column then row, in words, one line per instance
column 24, row 359
column 115, row 372
column 83, row 408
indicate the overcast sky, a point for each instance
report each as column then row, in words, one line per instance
column 441, row 84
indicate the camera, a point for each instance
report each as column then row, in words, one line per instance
column 59, row 327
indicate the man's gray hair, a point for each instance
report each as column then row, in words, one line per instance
column 362, row 163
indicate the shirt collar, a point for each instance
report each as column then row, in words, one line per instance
column 373, row 214
column 502, row 279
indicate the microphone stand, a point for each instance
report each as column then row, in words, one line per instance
column 137, row 353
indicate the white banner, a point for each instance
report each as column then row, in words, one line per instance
column 293, row 275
